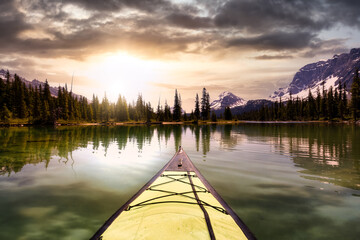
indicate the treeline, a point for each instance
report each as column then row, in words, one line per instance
column 37, row 105
column 331, row 104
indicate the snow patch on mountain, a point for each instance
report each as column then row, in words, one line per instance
column 329, row 73
column 329, row 82
column 226, row 99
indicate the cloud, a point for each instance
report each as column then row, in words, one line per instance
column 345, row 12
column 261, row 15
column 188, row 21
column 271, row 57
column 274, row 41
column 162, row 28
column 197, row 87
column 332, row 46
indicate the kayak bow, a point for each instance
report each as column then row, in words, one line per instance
column 177, row 203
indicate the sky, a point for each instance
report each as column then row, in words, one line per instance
column 152, row 47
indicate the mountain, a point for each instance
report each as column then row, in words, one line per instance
column 34, row 83
column 331, row 72
column 226, row 99
column 237, row 104
column 251, row 105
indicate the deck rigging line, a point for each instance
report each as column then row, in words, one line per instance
column 200, row 202
column 206, row 215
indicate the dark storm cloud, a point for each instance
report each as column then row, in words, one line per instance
column 334, row 46
column 272, row 57
column 11, row 22
column 274, row 41
column 264, row 15
column 103, row 6
column 345, row 12
column 163, row 27
column 188, row 21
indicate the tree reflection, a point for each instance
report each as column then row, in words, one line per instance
column 324, row 152
column 327, row 153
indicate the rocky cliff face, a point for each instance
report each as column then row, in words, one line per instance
column 329, row 73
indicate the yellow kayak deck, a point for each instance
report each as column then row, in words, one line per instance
column 177, row 203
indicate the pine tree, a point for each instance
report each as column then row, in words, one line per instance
column 330, row 104
column 213, row 116
column 227, row 113
column 355, row 95
column 140, row 107
column 318, row 103
column 344, row 100
column 177, row 107
column 185, row 116
column 148, row 112
column 205, row 105
column 96, row 108
column 323, row 103
column 289, row 108
column 167, row 112
column 5, row 114
column 9, row 94
column 36, row 110
column 2, row 92
column 105, row 109
column 192, row 116
column 197, row 108
column 340, row 102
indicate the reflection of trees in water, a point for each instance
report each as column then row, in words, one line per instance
column 229, row 137
column 177, row 130
column 21, row 146
column 327, row 153
column 203, row 132
column 205, row 138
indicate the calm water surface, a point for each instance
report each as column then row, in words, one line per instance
column 289, row 181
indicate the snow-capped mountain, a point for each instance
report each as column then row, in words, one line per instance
column 329, row 73
column 227, row 99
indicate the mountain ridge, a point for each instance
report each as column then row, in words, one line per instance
column 34, row 83
column 339, row 68
column 227, row 99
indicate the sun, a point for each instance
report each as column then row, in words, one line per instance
column 121, row 73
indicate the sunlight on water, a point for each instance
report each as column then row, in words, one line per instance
column 292, row 181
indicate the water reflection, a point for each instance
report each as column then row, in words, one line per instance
column 325, row 152
column 274, row 176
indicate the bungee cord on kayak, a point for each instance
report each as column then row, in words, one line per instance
column 171, row 193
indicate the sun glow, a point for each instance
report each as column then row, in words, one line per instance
column 124, row 74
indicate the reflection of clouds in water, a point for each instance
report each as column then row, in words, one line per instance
column 36, row 212
column 72, row 211
column 227, row 138
column 296, row 215
column 288, row 176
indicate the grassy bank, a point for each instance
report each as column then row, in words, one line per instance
column 26, row 122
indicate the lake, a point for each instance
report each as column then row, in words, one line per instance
column 285, row 181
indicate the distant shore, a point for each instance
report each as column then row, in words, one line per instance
column 134, row 123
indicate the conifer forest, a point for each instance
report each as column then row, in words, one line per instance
column 38, row 106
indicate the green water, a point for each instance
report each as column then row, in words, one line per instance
column 289, row 181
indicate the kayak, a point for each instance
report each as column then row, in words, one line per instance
column 177, row 203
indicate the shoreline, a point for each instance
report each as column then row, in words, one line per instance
column 130, row 123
